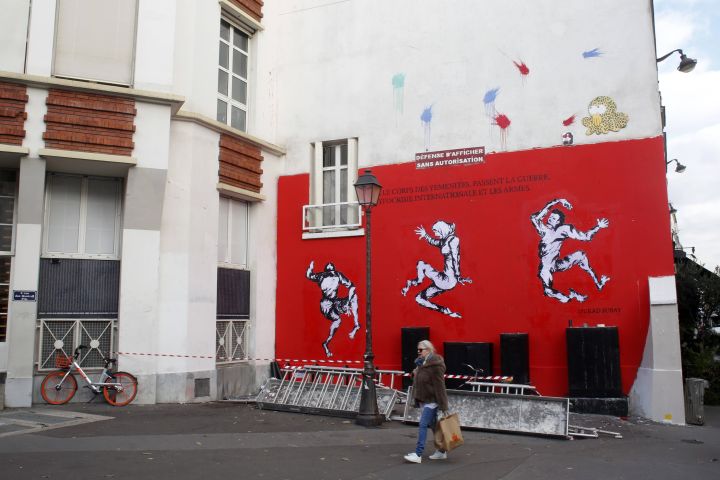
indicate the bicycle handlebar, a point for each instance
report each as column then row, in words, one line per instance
column 77, row 350
column 476, row 370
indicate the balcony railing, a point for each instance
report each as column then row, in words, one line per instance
column 331, row 216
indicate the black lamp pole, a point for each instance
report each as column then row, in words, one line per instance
column 368, row 191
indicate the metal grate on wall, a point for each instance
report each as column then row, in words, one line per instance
column 231, row 340
column 233, row 294
column 78, row 288
column 60, row 337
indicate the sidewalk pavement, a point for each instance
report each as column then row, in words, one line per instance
column 234, row 440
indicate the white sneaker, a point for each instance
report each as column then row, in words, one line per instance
column 438, row 455
column 412, row 458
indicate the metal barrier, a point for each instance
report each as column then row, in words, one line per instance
column 505, row 412
column 504, row 388
column 325, row 391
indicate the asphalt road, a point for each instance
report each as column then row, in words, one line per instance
column 230, row 440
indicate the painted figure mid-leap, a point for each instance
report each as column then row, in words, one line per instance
column 553, row 234
column 443, row 281
column 332, row 306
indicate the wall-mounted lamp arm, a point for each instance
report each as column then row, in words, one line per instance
column 679, row 168
column 686, row 64
column 679, row 50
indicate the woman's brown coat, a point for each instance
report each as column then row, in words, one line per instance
column 429, row 382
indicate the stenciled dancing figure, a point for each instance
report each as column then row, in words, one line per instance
column 444, row 281
column 332, row 306
column 553, row 234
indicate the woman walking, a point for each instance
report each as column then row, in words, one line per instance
column 430, row 395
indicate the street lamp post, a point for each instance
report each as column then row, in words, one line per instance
column 368, row 191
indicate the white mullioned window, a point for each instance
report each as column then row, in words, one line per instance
column 332, row 190
column 233, row 233
column 82, row 216
column 232, row 102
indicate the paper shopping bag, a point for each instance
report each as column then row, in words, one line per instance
column 451, row 434
column 438, row 439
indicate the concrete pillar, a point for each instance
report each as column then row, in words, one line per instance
column 657, row 393
column 188, row 267
column 140, row 265
column 26, row 265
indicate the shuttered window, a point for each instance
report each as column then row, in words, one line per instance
column 95, row 40
column 82, row 216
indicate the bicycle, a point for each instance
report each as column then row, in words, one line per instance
column 58, row 387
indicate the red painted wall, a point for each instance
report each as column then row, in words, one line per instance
column 621, row 181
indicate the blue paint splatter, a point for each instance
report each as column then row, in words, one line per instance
column 595, row 52
column 491, row 95
column 398, row 82
column 426, row 116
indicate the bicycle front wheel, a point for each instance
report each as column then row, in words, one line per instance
column 55, row 390
column 123, row 393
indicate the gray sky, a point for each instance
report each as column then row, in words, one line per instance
column 692, row 102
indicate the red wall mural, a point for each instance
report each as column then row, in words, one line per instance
column 614, row 196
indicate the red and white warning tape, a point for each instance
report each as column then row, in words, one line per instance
column 493, row 378
column 287, row 360
column 165, row 355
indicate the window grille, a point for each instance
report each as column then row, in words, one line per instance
column 231, row 341
column 60, row 337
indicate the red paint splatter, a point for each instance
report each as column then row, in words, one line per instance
column 502, row 121
column 569, row 121
column 524, row 70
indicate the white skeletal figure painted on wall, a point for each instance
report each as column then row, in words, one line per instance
column 444, row 280
column 333, row 306
column 552, row 235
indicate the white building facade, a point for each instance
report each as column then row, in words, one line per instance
column 135, row 206
column 157, row 170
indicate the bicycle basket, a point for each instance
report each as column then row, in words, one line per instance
column 63, row 361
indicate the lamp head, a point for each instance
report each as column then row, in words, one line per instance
column 687, row 64
column 679, row 167
column 367, row 189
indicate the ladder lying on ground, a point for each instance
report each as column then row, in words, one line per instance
column 505, row 388
column 590, row 432
column 324, row 390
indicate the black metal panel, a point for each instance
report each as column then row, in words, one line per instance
column 515, row 356
column 233, row 293
column 460, row 354
column 593, row 362
column 409, row 338
column 78, row 288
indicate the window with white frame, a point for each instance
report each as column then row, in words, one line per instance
column 232, row 102
column 95, row 40
column 8, row 192
column 332, row 186
column 233, row 232
column 233, row 282
column 82, row 216
column 8, row 208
